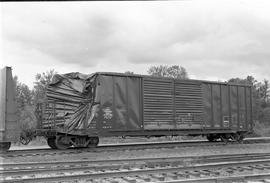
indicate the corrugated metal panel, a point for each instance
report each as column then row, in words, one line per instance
column 188, row 104
column 57, row 112
column 68, row 100
column 158, row 104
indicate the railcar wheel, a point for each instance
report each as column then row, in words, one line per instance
column 4, row 146
column 60, row 143
column 51, row 142
column 93, row 142
column 211, row 138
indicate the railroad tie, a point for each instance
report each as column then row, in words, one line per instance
column 145, row 178
column 158, row 177
column 129, row 179
column 260, row 167
column 173, row 176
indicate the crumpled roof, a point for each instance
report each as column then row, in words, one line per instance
column 69, row 95
column 74, row 80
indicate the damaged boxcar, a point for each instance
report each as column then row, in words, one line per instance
column 81, row 108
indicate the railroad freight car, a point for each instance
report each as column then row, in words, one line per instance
column 81, row 108
column 9, row 131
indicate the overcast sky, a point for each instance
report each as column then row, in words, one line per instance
column 212, row 40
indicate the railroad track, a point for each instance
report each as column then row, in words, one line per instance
column 164, row 170
column 123, row 147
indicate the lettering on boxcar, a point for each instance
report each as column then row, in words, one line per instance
column 107, row 113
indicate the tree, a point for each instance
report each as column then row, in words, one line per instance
column 265, row 115
column 174, row 71
column 23, row 95
column 41, row 83
column 27, row 99
column 129, row 72
column 264, row 91
column 251, row 80
column 24, row 99
column 260, row 95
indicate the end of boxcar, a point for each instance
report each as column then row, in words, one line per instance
column 9, row 131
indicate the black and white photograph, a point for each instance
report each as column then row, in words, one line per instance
column 135, row 91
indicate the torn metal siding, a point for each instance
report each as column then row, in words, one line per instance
column 69, row 100
column 98, row 102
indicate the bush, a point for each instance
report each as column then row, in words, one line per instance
column 27, row 119
column 262, row 129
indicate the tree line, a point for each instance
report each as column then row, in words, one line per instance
column 28, row 98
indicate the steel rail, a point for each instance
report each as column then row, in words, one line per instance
column 200, row 159
column 126, row 171
column 233, row 178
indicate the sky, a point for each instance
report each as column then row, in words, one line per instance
column 212, row 40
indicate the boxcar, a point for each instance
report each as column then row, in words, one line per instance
column 9, row 131
column 81, row 108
